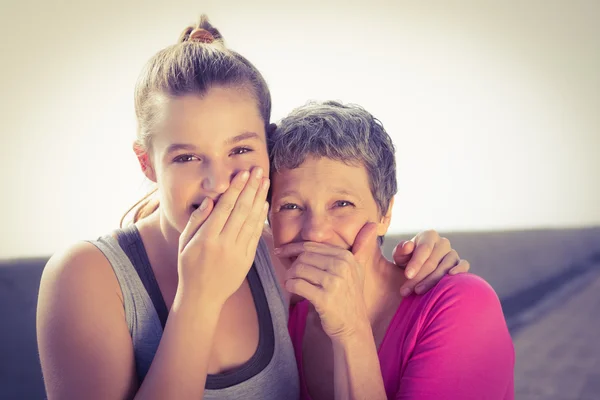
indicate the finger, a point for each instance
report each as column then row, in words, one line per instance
column 249, row 223
column 447, row 263
column 365, row 244
column 431, row 247
column 462, row 267
column 403, row 252
column 336, row 263
column 226, row 203
column 296, row 248
column 244, row 205
column 195, row 222
column 432, row 264
column 305, row 289
column 255, row 238
column 309, row 273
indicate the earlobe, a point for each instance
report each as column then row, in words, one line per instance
column 145, row 162
column 386, row 219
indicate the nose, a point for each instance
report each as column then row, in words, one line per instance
column 217, row 178
column 316, row 228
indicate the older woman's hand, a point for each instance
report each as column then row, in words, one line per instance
column 427, row 258
column 332, row 279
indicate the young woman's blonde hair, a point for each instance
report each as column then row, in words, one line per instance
column 199, row 61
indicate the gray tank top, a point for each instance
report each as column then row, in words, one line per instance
column 271, row 373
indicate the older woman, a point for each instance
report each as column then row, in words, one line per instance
column 334, row 179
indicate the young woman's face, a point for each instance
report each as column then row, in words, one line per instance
column 323, row 201
column 201, row 143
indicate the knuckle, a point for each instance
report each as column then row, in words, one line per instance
column 302, row 257
column 227, row 205
column 347, row 257
column 334, row 282
column 432, row 232
column 426, row 247
column 428, row 267
column 242, row 207
column 300, row 268
column 445, row 242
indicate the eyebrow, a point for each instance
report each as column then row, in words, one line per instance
column 342, row 192
column 242, row 136
column 231, row 141
column 179, row 146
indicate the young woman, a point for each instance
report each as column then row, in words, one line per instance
column 334, row 180
column 185, row 303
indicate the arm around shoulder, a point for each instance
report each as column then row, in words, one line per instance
column 83, row 340
column 464, row 348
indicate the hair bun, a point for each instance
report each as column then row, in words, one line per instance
column 201, row 35
column 202, row 32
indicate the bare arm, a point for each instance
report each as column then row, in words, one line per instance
column 85, row 346
column 356, row 370
column 84, row 343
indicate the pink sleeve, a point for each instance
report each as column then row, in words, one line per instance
column 463, row 349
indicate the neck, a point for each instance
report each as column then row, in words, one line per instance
column 162, row 240
column 381, row 286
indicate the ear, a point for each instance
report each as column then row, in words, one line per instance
column 145, row 162
column 386, row 219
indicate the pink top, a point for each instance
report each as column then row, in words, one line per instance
column 450, row 343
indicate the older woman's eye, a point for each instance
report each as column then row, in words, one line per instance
column 343, row 203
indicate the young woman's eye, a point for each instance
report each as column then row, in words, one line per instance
column 184, row 158
column 289, row 206
column 343, row 203
column 241, row 150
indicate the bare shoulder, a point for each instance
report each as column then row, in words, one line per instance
column 79, row 266
column 83, row 339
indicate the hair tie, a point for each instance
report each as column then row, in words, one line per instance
column 201, row 35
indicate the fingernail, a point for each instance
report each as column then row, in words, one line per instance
column 265, row 184
column 410, row 273
column 259, row 173
column 452, row 271
column 204, row 204
column 245, row 175
column 405, row 292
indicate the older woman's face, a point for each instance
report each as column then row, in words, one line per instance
column 323, row 201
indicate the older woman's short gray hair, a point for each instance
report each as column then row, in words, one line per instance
column 342, row 132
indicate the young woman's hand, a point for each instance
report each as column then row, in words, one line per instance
column 427, row 258
column 218, row 245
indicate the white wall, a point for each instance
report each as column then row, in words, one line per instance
column 494, row 106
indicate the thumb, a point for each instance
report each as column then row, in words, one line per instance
column 365, row 243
